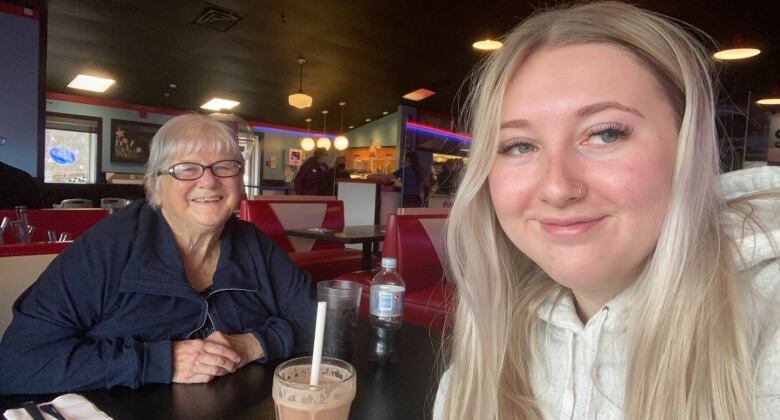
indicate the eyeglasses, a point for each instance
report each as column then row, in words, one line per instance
column 190, row 171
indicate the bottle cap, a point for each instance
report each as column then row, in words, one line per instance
column 388, row 262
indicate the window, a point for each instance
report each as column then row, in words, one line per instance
column 71, row 149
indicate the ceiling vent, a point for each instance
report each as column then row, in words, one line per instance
column 216, row 18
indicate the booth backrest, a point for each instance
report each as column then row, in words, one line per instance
column 20, row 266
column 274, row 216
column 417, row 242
column 73, row 221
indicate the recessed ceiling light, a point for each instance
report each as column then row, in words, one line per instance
column 368, row 119
column 91, row 83
column 487, row 45
column 768, row 101
column 736, row 53
column 351, row 126
column 385, row 112
column 419, row 94
column 216, row 104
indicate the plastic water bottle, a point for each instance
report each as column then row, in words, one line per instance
column 387, row 296
column 386, row 312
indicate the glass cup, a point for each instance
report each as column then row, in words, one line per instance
column 295, row 399
column 343, row 298
column 20, row 231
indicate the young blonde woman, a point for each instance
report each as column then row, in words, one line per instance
column 605, row 268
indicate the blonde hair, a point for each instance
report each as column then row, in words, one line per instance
column 689, row 284
column 185, row 135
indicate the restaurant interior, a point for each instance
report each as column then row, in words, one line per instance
column 369, row 81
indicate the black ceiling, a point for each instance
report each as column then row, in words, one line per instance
column 367, row 53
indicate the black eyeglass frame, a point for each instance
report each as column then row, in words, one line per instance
column 172, row 172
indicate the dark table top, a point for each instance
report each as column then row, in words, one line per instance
column 405, row 390
column 349, row 235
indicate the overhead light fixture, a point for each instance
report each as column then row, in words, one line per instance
column 307, row 143
column 736, row 53
column 419, row 94
column 737, row 49
column 218, row 104
column 299, row 99
column 385, row 112
column 487, row 45
column 368, row 119
column 772, row 98
column 324, row 142
column 351, row 127
column 341, row 141
column 91, row 83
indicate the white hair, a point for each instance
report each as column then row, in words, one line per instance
column 185, row 135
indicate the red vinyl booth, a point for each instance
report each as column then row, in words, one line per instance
column 324, row 260
column 417, row 242
column 73, row 221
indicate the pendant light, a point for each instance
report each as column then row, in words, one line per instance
column 772, row 98
column 341, row 141
column 324, row 142
column 299, row 99
column 737, row 48
column 307, row 143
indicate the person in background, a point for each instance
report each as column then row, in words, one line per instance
column 337, row 172
column 312, row 177
column 411, row 175
column 604, row 267
column 168, row 289
column 17, row 188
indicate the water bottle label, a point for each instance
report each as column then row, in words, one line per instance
column 387, row 303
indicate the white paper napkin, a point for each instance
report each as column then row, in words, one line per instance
column 71, row 406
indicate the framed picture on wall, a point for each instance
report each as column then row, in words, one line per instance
column 130, row 141
column 295, row 157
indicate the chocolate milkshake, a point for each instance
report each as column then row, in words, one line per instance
column 295, row 399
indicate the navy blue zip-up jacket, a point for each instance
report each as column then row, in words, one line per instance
column 106, row 310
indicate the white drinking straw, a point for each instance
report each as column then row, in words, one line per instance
column 319, row 332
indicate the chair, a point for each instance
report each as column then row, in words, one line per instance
column 274, row 216
column 111, row 203
column 77, row 203
column 324, row 260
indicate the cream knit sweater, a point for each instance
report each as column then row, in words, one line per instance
column 585, row 370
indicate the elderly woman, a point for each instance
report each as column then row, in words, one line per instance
column 171, row 289
column 605, row 269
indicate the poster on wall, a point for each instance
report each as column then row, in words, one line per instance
column 130, row 141
column 294, row 157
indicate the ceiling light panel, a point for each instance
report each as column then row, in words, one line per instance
column 216, row 104
column 419, row 94
column 91, row 83
column 487, row 45
column 736, row 53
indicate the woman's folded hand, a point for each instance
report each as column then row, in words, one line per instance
column 199, row 361
column 245, row 345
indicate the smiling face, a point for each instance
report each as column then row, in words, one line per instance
column 201, row 205
column 584, row 166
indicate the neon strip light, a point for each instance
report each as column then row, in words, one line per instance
column 437, row 131
column 290, row 131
